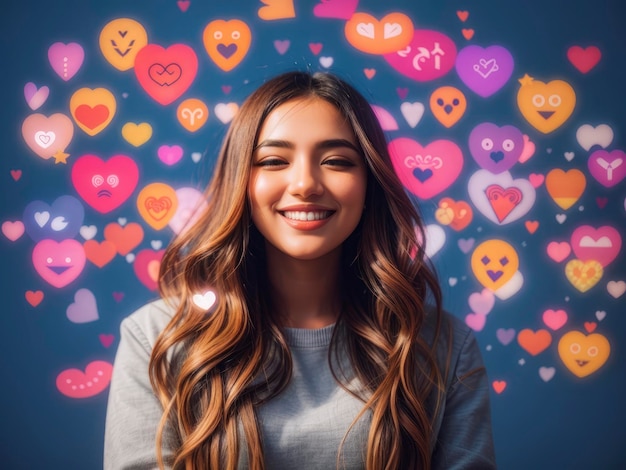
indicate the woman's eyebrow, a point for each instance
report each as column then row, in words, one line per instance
column 322, row 145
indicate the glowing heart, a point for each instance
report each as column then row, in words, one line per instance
column 476, row 321
column 430, row 55
column 534, row 342
column 412, row 112
column 105, row 185
column 165, row 74
column 58, row 221
column 47, row 135
column 482, row 302
column 546, row 106
column 75, row 383
column 601, row 244
column 92, row 110
column 608, row 168
column 204, row 301
column 565, row 187
column 583, row 355
column 58, row 263
column 499, row 197
column 227, row 42
column 125, row 238
column 426, row 171
column 35, row 97
column 484, row 70
column 137, row 134
column 367, row 34
column 191, row 206
column 170, row 154
column 157, row 203
column 66, row 59
column 84, row 308
column 146, row 266
column 120, row 40
column 456, row 214
column 583, row 275
column 225, row 112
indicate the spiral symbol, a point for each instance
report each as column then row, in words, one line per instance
column 97, row 180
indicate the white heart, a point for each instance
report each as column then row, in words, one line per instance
column 156, row 244
column 45, row 139
column 616, row 288
column 546, row 373
column 130, row 257
column 122, row 221
column 88, row 231
column 42, row 218
column 569, row 156
column 588, row 136
column 412, row 112
column 435, row 239
column 512, row 286
column 391, row 30
column 204, row 301
column 196, row 156
column 326, row 61
column 366, row 30
column 600, row 315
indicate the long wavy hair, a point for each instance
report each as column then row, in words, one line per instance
column 210, row 387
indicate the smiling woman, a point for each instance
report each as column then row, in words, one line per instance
column 296, row 328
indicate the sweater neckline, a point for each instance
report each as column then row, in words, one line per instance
column 309, row 338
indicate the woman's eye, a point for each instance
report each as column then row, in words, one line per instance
column 341, row 162
column 271, row 162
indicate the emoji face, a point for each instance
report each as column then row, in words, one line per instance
column 583, row 274
column 157, row 203
column 494, row 262
column 59, row 263
column 448, row 104
column 227, row 42
column 546, row 106
column 120, row 40
column 105, row 185
column 495, row 148
column 582, row 354
column 390, row 34
column 47, row 135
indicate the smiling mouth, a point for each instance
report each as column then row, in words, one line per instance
column 546, row 114
column 58, row 269
column 307, row 216
column 581, row 363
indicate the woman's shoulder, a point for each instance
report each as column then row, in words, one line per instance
column 149, row 320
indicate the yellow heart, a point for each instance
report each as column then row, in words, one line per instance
column 546, row 106
column 137, row 134
column 583, row 355
column 583, row 274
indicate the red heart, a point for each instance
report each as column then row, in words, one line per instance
column 165, row 74
column 141, row 266
column 584, row 59
column 503, row 201
column 91, row 117
column 34, row 297
column 105, row 185
column 99, row 254
column 75, row 383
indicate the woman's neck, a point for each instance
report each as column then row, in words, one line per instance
column 305, row 292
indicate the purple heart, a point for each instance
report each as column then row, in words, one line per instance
column 57, row 222
column 505, row 335
column 494, row 275
column 227, row 51
column 84, row 308
column 66, row 59
column 607, row 168
column 281, row 46
column 422, row 175
column 481, row 302
column 465, row 245
column 496, row 149
column 484, row 70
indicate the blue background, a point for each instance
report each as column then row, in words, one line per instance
column 566, row 422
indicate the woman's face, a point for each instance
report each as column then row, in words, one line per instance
column 308, row 179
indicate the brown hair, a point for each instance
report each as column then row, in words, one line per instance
column 212, row 387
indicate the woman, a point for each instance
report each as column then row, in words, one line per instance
column 319, row 350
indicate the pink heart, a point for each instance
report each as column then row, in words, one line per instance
column 555, row 319
column 59, row 263
column 13, row 230
column 602, row 244
column 476, row 321
column 536, row 179
column 106, row 340
column 66, row 59
column 482, row 302
column 170, row 155
column 528, row 150
column 426, row 171
column 47, row 135
column 75, row 383
column 35, row 97
column 558, row 251
column 341, row 9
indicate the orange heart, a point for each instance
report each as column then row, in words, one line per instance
column 153, row 269
column 546, row 106
column 125, row 238
column 534, row 342
column 583, row 355
column 99, row 254
column 456, row 214
column 583, row 274
column 498, row 386
column 565, row 187
column 276, row 10
column 392, row 33
column 227, row 42
column 157, row 203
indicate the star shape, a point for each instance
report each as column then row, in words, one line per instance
column 526, row 80
column 60, row 157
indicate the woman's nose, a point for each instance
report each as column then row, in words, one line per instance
column 305, row 179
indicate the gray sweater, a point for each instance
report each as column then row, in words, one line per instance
column 303, row 427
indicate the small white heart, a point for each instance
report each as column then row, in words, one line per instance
column 156, row 244
column 130, row 257
column 122, row 221
column 196, row 156
column 204, row 301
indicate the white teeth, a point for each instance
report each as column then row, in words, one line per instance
column 301, row 215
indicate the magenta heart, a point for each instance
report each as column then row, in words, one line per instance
column 608, row 168
column 495, row 148
column 475, row 321
column 341, row 9
column 170, row 155
column 66, row 59
column 426, row 171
